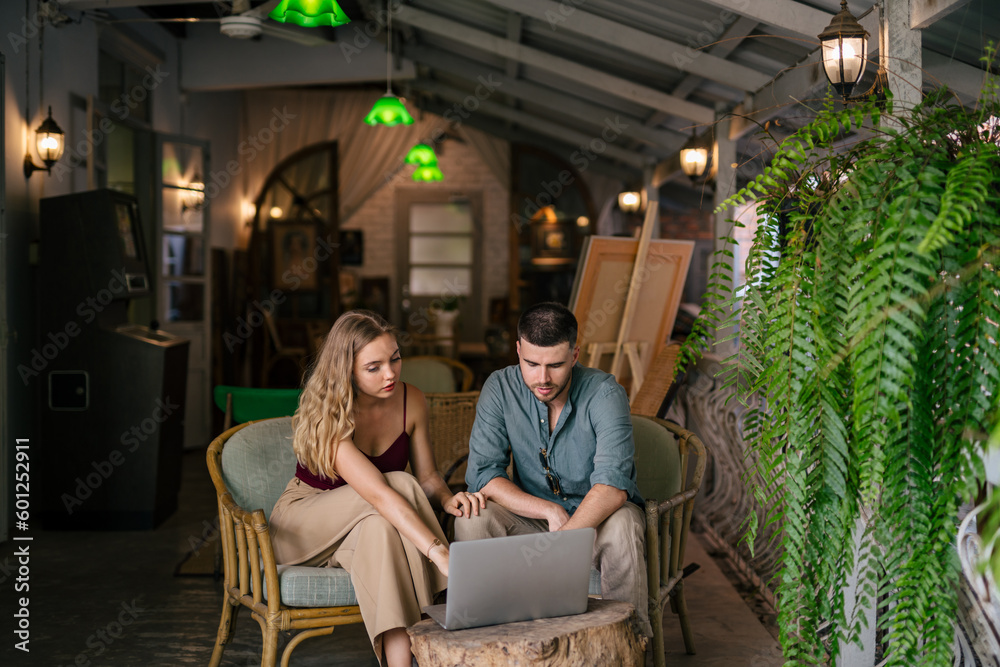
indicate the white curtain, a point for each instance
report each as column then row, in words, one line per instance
column 494, row 152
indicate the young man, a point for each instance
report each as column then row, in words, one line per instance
column 570, row 433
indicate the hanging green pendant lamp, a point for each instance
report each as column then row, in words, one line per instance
column 389, row 110
column 309, row 13
column 428, row 174
column 421, row 155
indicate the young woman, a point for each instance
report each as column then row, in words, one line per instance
column 350, row 503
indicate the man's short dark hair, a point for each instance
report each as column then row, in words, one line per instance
column 547, row 324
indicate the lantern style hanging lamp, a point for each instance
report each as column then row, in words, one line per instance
column 309, row 13
column 844, row 45
column 49, row 142
column 629, row 202
column 389, row 110
column 694, row 160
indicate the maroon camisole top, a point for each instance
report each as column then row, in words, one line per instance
column 393, row 459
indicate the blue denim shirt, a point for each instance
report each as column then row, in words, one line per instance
column 590, row 444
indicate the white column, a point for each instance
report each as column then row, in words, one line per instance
column 724, row 157
column 900, row 53
column 852, row 655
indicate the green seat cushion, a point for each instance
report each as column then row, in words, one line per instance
column 595, row 582
column 428, row 375
column 303, row 586
column 258, row 462
column 657, row 459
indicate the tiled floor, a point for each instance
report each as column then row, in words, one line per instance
column 111, row 598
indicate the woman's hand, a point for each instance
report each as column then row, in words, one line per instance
column 465, row 504
column 438, row 554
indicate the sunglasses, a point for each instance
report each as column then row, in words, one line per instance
column 550, row 476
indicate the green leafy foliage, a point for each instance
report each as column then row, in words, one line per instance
column 868, row 332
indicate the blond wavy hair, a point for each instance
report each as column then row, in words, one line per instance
column 325, row 415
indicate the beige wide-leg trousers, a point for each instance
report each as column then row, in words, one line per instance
column 619, row 549
column 392, row 579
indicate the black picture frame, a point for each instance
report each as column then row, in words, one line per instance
column 352, row 247
column 552, row 240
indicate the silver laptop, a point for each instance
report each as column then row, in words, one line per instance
column 517, row 578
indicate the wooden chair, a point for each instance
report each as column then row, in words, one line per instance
column 243, row 404
column 439, row 375
column 280, row 352
column 659, row 386
column 250, row 465
column 451, row 416
column 663, row 453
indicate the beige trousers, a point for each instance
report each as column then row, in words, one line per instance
column 619, row 550
column 392, row 579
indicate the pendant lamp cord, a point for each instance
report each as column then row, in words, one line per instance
column 388, row 59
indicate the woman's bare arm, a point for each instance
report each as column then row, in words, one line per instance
column 362, row 475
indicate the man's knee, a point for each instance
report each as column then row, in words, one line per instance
column 487, row 524
column 622, row 535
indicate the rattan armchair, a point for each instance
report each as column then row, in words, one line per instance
column 660, row 384
column 451, row 416
column 250, row 465
column 432, row 374
column 665, row 469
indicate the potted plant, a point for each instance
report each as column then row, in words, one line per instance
column 868, row 329
column 445, row 313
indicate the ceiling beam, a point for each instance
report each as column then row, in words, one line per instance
column 963, row 79
column 801, row 82
column 561, row 104
column 515, row 135
column 730, row 39
column 572, row 71
column 514, row 35
column 587, row 144
column 119, row 4
column 925, row 13
column 565, row 16
column 787, row 14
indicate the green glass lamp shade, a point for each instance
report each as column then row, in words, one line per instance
column 389, row 110
column 428, row 174
column 421, row 155
column 309, row 13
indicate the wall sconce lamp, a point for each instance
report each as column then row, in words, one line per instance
column 193, row 197
column 844, row 45
column 629, row 202
column 49, row 142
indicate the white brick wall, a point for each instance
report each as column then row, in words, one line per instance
column 464, row 174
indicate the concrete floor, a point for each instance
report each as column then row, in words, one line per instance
column 111, row 598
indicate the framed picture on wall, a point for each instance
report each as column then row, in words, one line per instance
column 552, row 240
column 375, row 295
column 352, row 247
column 295, row 266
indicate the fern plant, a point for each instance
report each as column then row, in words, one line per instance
column 868, row 330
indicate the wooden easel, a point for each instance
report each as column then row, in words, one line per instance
column 623, row 348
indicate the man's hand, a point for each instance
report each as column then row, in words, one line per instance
column 557, row 517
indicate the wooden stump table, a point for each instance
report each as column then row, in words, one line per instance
column 606, row 634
